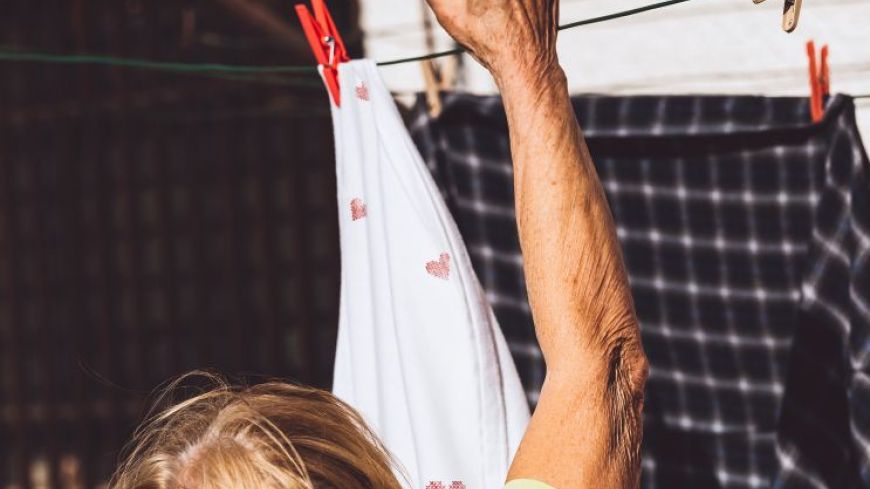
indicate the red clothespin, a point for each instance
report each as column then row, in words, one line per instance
column 824, row 73
column 820, row 81
column 326, row 43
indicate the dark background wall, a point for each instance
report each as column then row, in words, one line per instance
column 152, row 223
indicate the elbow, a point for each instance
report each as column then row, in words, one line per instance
column 627, row 372
column 626, row 364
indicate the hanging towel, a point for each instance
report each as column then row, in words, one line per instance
column 419, row 351
column 745, row 234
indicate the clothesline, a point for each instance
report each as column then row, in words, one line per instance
column 593, row 20
column 241, row 70
column 254, row 73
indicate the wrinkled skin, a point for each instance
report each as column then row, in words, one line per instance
column 586, row 430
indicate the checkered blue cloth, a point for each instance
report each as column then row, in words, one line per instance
column 744, row 230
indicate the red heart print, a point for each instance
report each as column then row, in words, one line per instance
column 440, row 485
column 362, row 92
column 358, row 209
column 440, row 268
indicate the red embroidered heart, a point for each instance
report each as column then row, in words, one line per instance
column 358, row 209
column 362, row 91
column 440, row 485
column 440, row 268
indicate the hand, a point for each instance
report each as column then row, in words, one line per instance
column 509, row 37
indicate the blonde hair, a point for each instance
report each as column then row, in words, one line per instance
column 268, row 436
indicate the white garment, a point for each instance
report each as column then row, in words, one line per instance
column 419, row 354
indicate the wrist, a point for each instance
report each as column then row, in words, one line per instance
column 535, row 78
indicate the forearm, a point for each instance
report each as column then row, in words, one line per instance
column 572, row 259
column 579, row 296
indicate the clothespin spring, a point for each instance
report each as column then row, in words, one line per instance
column 331, row 42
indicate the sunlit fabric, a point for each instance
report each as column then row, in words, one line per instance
column 419, row 353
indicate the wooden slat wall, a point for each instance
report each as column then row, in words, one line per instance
column 151, row 224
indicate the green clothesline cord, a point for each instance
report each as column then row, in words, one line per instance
column 217, row 68
column 151, row 65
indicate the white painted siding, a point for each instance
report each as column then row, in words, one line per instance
column 703, row 46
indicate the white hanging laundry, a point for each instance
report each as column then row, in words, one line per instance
column 420, row 353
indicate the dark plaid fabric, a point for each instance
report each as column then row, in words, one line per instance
column 744, row 230
column 824, row 433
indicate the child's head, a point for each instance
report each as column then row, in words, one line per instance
column 270, row 436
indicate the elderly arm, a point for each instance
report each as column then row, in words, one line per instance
column 586, row 430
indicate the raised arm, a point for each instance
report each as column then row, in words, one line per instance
column 586, row 430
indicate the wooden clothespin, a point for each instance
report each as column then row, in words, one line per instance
column 326, row 43
column 437, row 80
column 820, row 81
column 790, row 14
column 433, row 88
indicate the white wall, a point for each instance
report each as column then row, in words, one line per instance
column 703, row 46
